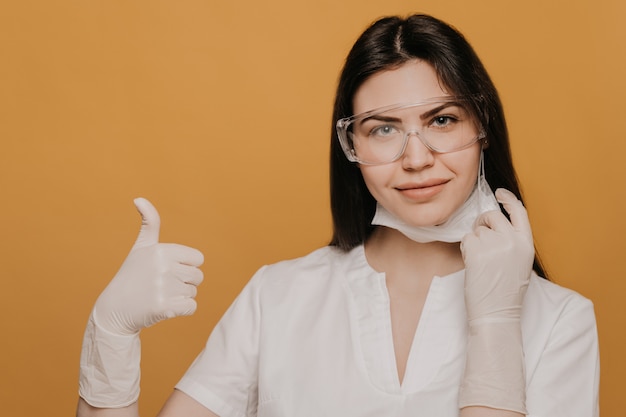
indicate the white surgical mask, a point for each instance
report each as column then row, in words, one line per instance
column 458, row 225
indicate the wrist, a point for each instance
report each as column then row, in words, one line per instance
column 108, row 318
column 494, row 372
column 109, row 367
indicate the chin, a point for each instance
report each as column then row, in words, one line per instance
column 425, row 222
column 426, row 218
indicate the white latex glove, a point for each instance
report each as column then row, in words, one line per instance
column 498, row 258
column 156, row 281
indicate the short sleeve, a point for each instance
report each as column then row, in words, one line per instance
column 566, row 380
column 224, row 376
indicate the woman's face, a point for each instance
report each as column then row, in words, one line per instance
column 422, row 188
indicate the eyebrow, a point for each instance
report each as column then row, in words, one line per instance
column 380, row 119
column 432, row 112
column 424, row 116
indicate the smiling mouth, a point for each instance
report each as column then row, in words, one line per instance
column 422, row 191
column 422, row 186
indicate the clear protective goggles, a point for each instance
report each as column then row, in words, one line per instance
column 380, row 136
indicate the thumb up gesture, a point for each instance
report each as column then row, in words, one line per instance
column 157, row 281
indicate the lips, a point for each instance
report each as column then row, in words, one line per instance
column 420, row 191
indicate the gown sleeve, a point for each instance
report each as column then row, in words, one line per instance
column 565, row 381
column 223, row 377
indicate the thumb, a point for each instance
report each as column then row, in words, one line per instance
column 516, row 210
column 150, row 224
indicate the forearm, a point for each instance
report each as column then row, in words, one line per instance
column 498, row 259
column 487, row 412
column 156, row 281
column 494, row 369
column 85, row 410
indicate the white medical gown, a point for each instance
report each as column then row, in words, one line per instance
column 312, row 337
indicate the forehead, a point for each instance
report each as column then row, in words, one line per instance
column 411, row 82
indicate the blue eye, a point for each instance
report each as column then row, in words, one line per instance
column 384, row 130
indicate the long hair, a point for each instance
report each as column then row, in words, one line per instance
column 387, row 44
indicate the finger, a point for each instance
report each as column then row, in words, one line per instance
column 190, row 291
column 468, row 243
column 493, row 220
column 189, row 274
column 516, row 210
column 185, row 306
column 179, row 289
column 150, row 224
column 184, row 254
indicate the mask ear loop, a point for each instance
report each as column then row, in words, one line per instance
column 481, row 180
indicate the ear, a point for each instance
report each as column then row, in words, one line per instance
column 485, row 143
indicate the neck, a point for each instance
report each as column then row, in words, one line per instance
column 388, row 250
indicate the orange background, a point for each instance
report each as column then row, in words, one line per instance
column 219, row 113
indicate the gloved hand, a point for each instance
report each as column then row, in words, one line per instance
column 156, row 281
column 498, row 258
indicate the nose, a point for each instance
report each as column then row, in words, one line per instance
column 416, row 155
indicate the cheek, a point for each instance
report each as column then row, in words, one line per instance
column 466, row 168
column 375, row 178
column 464, row 161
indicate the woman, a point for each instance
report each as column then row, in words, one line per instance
column 428, row 300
